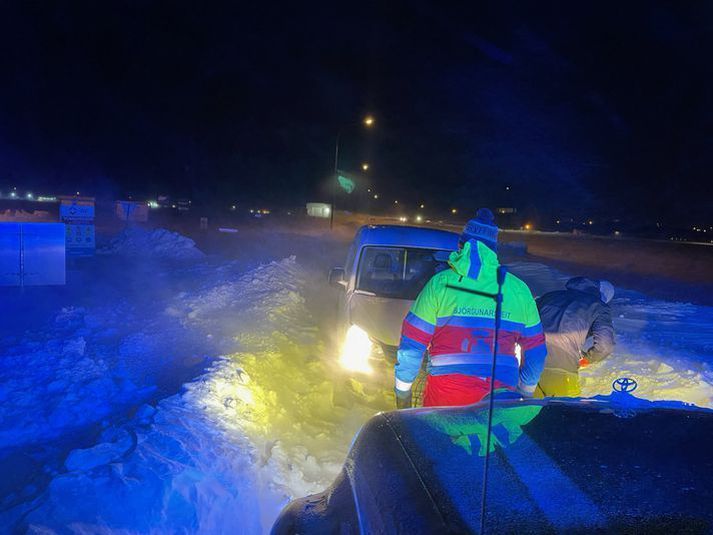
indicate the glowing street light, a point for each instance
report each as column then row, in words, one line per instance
column 422, row 206
column 396, row 202
column 454, row 211
column 369, row 120
column 376, row 195
column 365, row 166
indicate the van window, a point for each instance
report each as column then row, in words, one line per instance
column 397, row 272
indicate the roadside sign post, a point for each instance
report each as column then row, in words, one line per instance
column 77, row 213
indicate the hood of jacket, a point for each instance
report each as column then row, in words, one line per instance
column 583, row 284
column 472, row 258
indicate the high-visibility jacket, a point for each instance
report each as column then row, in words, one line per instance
column 456, row 325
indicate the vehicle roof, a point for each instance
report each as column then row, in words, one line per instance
column 406, row 236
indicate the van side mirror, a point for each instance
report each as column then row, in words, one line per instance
column 336, row 277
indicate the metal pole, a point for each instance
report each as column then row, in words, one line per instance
column 334, row 180
column 22, row 258
column 502, row 270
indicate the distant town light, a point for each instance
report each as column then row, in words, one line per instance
column 423, row 206
column 365, row 166
column 591, row 222
column 419, row 218
column 396, row 202
column 376, row 196
column 507, row 188
column 454, row 211
column 29, row 195
column 13, row 194
column 558, row 221
column 528, row 226
column 369, row 120
column 152, row 204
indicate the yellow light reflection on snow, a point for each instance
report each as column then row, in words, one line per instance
column 356, row 350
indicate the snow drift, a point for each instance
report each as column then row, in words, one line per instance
column 270, row 421
column 155, row 243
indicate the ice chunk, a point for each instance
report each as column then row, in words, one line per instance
column 145, row 414
column 75, row 346
column 103, row 453
column 664, row 368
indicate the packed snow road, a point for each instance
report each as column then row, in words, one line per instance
column 98, row 435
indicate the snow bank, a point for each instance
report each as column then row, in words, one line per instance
column 156, row 243
column 271, row 421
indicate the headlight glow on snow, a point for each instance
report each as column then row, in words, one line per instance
column 356, row 350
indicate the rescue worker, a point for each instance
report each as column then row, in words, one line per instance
column 569, row 317
column 454, row 322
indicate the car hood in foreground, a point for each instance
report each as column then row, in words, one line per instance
column 612, row 463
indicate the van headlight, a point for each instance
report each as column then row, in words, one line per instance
column 356, row 350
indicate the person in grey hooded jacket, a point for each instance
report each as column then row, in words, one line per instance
column 569, row 317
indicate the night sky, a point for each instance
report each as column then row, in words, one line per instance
column 593, row 108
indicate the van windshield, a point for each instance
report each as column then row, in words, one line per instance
column 398, row 272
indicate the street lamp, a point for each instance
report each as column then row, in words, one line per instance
column 365, row 166
column 368, row 122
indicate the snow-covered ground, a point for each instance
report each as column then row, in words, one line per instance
column 98, row 435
